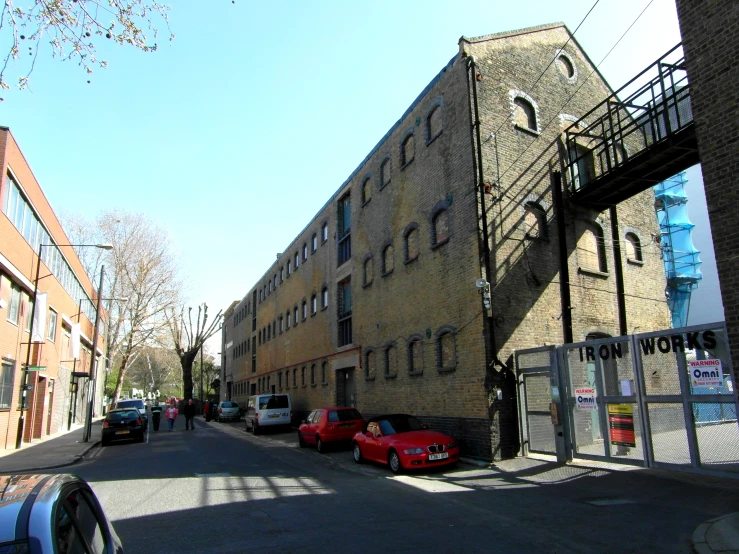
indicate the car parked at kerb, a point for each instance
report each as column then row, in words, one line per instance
column 402, row 442
column 330, row 426
column 123, row 423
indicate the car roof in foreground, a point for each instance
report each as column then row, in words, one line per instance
column 15, row 490
column 388, row 416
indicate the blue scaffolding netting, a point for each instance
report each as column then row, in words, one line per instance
column 680, row 256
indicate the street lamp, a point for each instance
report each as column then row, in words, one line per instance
column 24, row 373
column 91, row 389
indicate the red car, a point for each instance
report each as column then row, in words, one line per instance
column 403, row 442
column 330, row 425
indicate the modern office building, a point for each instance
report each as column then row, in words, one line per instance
column 49, row 380
column 451, row 246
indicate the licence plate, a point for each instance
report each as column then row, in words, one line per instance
column 126, row 432
column 439, row 456
column 273, row 415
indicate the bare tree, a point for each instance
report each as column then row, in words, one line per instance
column 142, row 281
column 155, row 369
column 74, row 29
column 188, row 340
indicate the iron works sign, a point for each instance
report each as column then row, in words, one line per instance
column 664, row 344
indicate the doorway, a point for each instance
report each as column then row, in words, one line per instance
column 345, row 388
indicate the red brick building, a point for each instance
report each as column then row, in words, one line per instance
column 66, row 303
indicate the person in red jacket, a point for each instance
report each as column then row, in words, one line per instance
column 171, row 415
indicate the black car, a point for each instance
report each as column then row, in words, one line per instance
column 123, row 423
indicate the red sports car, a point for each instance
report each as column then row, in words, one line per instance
column 330, row 425
column 403, row 442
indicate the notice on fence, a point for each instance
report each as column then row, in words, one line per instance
column 585, row 398
column 706, row 373
column 621, row 424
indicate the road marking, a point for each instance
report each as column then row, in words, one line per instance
column 212, row 475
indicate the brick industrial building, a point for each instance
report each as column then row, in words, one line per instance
column 380, row 302
column 66, row 305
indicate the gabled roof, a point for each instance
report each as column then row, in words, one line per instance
column 506, row 34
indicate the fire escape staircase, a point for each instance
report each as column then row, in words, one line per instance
column 638, row 137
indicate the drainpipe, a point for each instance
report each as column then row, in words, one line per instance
column 620, row 293
column 492, row 349
column 564, row 268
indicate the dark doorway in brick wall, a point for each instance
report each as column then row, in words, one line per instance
column 345, row 388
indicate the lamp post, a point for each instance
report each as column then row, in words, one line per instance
column 91, row 388
column 24, row 369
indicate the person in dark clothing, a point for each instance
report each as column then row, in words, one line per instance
column 189, row 411
column 156, row 414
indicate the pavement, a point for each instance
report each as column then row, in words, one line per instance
column 718, row 535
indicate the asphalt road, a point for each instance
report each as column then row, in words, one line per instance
column 219, row 489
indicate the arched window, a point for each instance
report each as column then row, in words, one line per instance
column 388, row 259
column 407, row 150
column 369, row 364
column 305, row 251
column 385, row 172
column 566, row 66
column 415, row 355
column 305, row 310
column 324, row 232
column 295, row 377
column 591, row 249
column 633, row 248
column 313, row 243
column 313, row 375
column 297, row 260
column 313, row 304
column 324, row 298
column 433, row 123
column 391, row 360
column 524, row 114
column 295, row 316
column 368, row 270
column 535, row 221
column 287, row 320
column 366, row 190
column 439, row 227
column 281, row 327
column 289, row 268
column 446, row 355
column 410, row 243
column 324, row 373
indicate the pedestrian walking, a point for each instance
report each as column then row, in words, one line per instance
column 171, row 415
column 206, row 411
column 156, row 414
column 189, row 411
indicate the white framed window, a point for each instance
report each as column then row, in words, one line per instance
column 14, row 310
column 51, row 331
column 324, row 232
column 324, row 298
column 313, row 304
column 297, row 260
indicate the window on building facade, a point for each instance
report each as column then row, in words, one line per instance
column 295, row 316
column 535, row 221
column 391, row 360
column 305, row 251
column 446, row 356
column 440, row 228
column 524, row 114
column 368, row 270
column 304, row 308
column 302, row 376
column 313, row 304
column 410, row 244
column 345, row 227
column 591, row 249
column 287, row 319
column 366, row 190
column 289, row 266
column 297, row 261
column 385, row 173
column 324, row 232
column 582, row 166
column 433, row 124
column 345, row 312
column 324, row 373
column 415, row 356
column 313, row 374
column 633, row 248
column 324, row 298
column 14, row 308
column 51, row 331
column 7, row 374
column 282, row 274
column 314, row 243
column 279, row 380
column 407, row 150
column 281, row 326
column 388, row 259
column 370, row 367
column 566, row 66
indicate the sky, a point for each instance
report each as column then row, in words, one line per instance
column 235, row 134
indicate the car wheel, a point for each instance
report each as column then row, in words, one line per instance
column 141, row 438
column 246, row 425
column 394, row 462
column 255, row 427
column 301, row 442
column 320, row 446
column 357, row 453
column 105, row 442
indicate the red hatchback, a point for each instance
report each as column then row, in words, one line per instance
column 403, row 442
column 330, row 425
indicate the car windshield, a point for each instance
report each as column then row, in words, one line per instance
column 123, row 414
column 400, row 424
column 131, row 404
column 229, row 405
column 273, row 402
column 343, row 415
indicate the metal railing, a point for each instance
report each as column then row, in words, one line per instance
column 645, row 112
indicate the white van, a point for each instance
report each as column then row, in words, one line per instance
column 267, row 410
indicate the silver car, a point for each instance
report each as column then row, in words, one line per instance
column 228, row 410
column 42, row 514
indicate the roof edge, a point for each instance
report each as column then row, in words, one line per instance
column 506, row 34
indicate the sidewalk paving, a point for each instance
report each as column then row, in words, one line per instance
column 59, row 451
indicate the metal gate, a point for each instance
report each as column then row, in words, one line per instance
column 662, row 399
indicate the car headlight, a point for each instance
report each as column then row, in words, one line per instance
column 451, row 445
column 414, row 451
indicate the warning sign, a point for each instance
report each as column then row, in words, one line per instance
column 585, row 398
column 621, row 424
column 706, row 373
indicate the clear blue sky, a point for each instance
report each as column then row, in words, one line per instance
column 234, row 135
